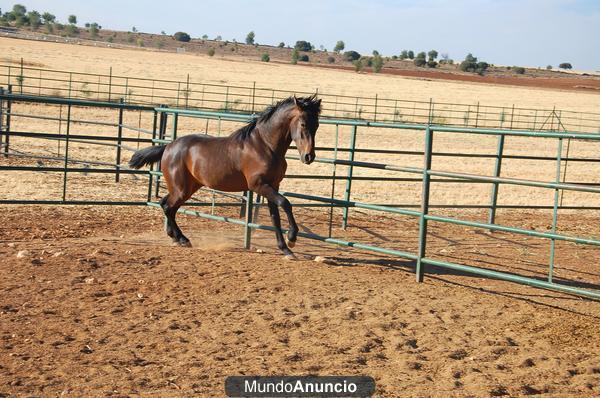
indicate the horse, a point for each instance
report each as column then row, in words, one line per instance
column 250, row 158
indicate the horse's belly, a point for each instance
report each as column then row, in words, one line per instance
column 229, row 182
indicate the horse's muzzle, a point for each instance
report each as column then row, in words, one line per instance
column 307, row 158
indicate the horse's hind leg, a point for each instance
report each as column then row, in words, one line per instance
column 171, row 204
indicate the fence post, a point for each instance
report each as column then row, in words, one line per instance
column 154, row 125
column 119, row 136
column 162, row 129
column 349, row 178
column 375, row 115
column 427, row 151
column 70, row 84
column 8, row 117
column 1, row 117
column 477, row 116
column 22, row 78
column 496, row 185
column 247, row 229
column 66, row 165
column 555, row 210
column 109, row 83
column 187, row 91
column 335, row 155
column 253, row 95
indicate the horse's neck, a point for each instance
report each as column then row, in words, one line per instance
column 276, row 133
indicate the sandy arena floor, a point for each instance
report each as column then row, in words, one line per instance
column 102, row 305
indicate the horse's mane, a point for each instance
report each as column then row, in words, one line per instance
column 309, row 104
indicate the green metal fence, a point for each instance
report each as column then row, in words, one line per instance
column 164, row 128
column 197, row 94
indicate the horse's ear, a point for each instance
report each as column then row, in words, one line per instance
column 295, row 100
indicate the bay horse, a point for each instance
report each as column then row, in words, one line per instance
column 251, row 158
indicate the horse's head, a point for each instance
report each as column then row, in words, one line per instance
column 304, row 125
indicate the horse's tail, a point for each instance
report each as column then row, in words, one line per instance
column 146, row 156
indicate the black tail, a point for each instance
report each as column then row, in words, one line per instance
column 146, row 156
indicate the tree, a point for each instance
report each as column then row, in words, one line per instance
column 351, row 55
column 304, row 58
column 281, row 45
column 331, row 60
column 377, row 63
column 295, row 56
column 265, row 57
column 302, row 45
column 94, row 29
column 432, row 55
column 518, row 70
column 339, row 46
column 358, row 64
column 420, row 61
column 19, row 9
column 404, row 54
column 549, row 67
column 470, row 64
column 250, row 38
column 565, row 65
column 204, row 37
column 72, row 19
column 375, row 53
column 411, row 54
column 218, row 38
column 48, row 18
column 35, row 19
column 182, row 36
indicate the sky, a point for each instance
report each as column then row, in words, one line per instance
column 528, row 33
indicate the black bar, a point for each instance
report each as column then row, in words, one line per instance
column 119, row 138
column 7, row 132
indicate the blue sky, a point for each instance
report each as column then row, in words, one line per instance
column 505, row 32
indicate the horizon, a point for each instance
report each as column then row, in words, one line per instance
column 539, row 33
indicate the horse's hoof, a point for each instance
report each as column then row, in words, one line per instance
column 185, row 243
column 290, row 243
column 291, row 257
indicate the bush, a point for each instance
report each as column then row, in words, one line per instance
column 304, row 58
column 72, row 30
column 211, row 52
column 140, row 42
column 182, row 36
column 377, row 63
column 302, row 45
column 94, row 30
column 281, row 45
column 351, row 55
column 420, row 62
column 470, row 64
column 295, row 56
column 549, row 67
column 518, row 70
column 432, row 64
column 358, row 65
column 265, row 57
column 331, row 60
column 565, row 65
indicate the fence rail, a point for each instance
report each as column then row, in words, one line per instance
column 194, row 94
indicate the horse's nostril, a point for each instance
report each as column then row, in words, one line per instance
column 307, row 158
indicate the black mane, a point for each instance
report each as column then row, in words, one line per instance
column 309, row 104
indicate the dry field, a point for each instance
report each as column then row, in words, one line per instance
column 101, row 295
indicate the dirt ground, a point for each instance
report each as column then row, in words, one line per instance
column 102, row 305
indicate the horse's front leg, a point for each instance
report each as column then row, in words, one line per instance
column 277, row 200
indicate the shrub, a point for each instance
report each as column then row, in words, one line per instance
column 331, row 60
column 281, row 45
column 302, row 45
column 420, row 62
column 211, row 52
column 304, row 58
column 94, row 30
column 358, row 65
column 182, row 36
column 72, row 30
column 295, row 56
column 565, row 65
column 432, row 64
column 518, row 70
column 549, row 67
column 470, row 64
column 140, row 42
column 250, row 37
column 377, row 63
column 351, row 55
column 265, row 57
column 110, row 39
